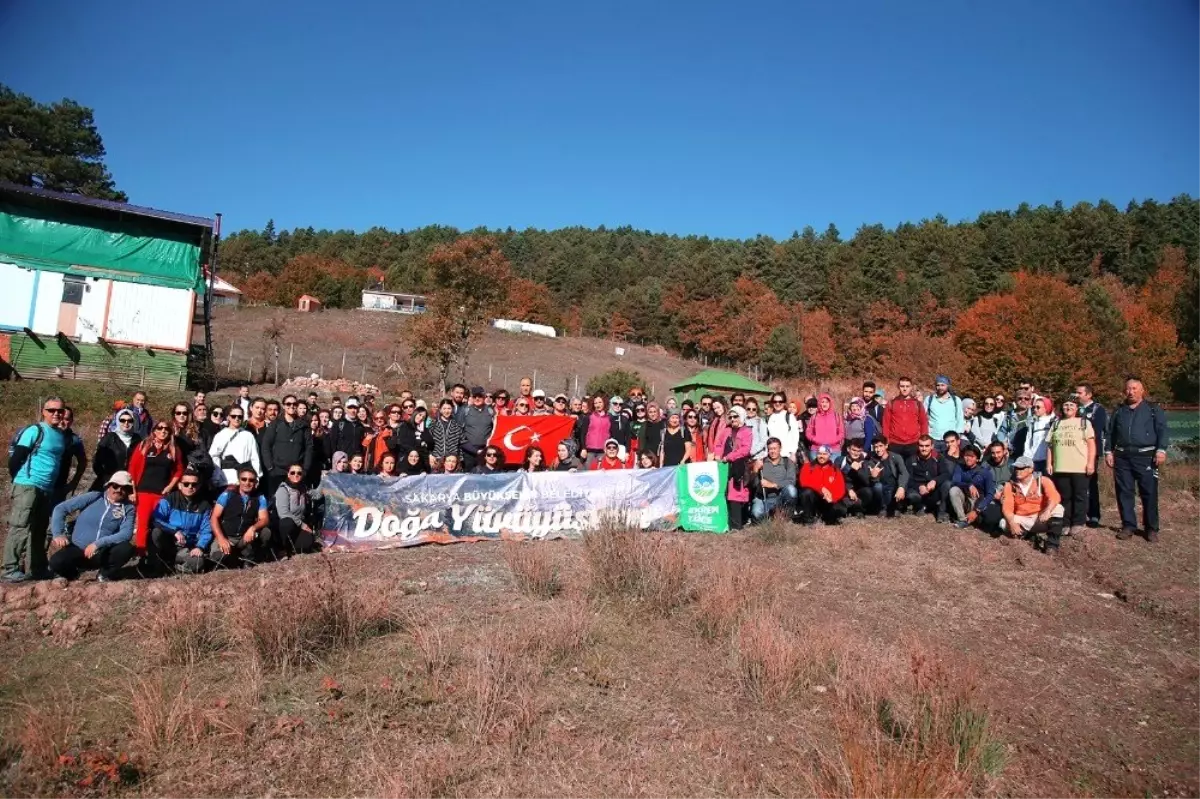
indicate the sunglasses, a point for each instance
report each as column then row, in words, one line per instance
column 522, row 405
column 490, row 455
column 611, row 446
column 189, row 484
column 217, row 413
column 162, row 428
column 248, row 480
column 181, row 413
column 126, row 420
column 288, row 404
column 295, row 473
column 232, row 416
column 53, row 410
column 122, row 489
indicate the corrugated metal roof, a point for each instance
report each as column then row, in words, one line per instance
column 109, row 205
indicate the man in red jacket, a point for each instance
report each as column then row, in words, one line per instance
column 822, row 490
column 905, row 421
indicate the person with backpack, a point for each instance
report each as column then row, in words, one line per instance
column 889, row 476
column 944, row 411
column 1031, row 507
column 240, row 523
column 101, row 536
column 905, row 421
column 1071, row 461
column 35, row 456
column 75, row 461
column 1097, row 416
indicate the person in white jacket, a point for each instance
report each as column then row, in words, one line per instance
column 233, row 446
column 784, row 425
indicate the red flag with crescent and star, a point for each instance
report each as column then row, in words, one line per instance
column 513, row 435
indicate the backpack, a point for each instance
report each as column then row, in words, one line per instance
column 36, row 445
column 952, row 395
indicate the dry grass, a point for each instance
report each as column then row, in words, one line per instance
column 651, row 568
column 775, row 530
column 726, row 592
column 41, row 735
column 502, row 698
column 768, row 657
column 563, row 630
column 533, row 568
column 297, row 623
column 184, row 631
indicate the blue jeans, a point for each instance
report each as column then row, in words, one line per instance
column 761, row 507
column 883, row 496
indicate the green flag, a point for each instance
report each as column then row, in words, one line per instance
column 701, row 488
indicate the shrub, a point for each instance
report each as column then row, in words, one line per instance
column 776, row 530
column 615, row 382
column 533, row 569
column 501, row 691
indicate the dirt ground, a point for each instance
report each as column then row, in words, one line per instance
column 371, row 342
column 1085, row 667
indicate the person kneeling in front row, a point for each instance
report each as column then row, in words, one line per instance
column 1031, row 506
column 777, row 483
column 103, row 530
column 293, row 506
column 181, row 527
column 971, row 489
column 240, row 524
column 822, row 489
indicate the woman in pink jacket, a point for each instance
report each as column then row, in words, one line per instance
column 733, row 447
column 825, row 428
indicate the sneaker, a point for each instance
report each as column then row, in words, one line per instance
column 962, row 524
column 15, row 576
column 1152, row 536
column 1126, row 534
column 1067, row 531
column 940, row 518
column 1093, row 523
column 103, row 579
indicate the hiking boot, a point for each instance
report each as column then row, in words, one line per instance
column 962, row 524
column 1152, row 536
column 15, row 576
column 940, row 518
column 1126, row 534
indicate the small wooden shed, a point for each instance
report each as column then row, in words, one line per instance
column 309, row 303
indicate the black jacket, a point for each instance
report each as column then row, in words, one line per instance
column 112, row 456
column 344, row 436
column 922, row 470
column 284, row 444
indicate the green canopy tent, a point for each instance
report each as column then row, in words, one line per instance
column 718, row 381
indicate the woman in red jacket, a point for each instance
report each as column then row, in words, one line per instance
column 156, row 465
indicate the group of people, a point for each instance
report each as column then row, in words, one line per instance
column 238, row 483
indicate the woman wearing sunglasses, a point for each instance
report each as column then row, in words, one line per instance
column 492, row 461
column 233, row 447
column 293, row 505
column 185, row 429
column 181, row 528
column 157, row 466
column 114, row 450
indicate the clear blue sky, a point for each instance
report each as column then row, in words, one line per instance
column 688, row 117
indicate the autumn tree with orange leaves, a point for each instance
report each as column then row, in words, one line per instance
column 471, row 279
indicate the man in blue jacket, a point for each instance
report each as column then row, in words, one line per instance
column 1094, row 412
column 971, row 488
column 103, row 532
column 181, row 527
column 34, row 461
column 1135, row 447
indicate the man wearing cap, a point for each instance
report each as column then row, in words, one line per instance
column 37, row 457
column 477, row 423
column 560, row 406
column 611, row 459
column 945, row 413
column 1136, row 446
column 539, row 403
column 822, row 489
column 1031, row 506
column 103, row 533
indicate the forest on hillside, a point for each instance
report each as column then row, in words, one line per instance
column 1054, row 293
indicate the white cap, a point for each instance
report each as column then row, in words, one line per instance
column 121, row 478
column 538, row 394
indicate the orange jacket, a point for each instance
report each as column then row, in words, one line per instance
column 1041, row 495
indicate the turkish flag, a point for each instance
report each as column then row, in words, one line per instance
column 513, row 435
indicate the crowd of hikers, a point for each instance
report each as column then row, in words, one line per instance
column 235, row 484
